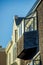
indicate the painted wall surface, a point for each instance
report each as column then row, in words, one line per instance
column 11, row 48
column 11, row 52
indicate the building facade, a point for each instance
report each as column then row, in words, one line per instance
column 11, row 49
column 39, row 9
column 30, row 33
column 11, row 52
column 3, row 56
column 26, row 46
column 40, row 28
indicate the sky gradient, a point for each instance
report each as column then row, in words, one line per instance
column 8, row 9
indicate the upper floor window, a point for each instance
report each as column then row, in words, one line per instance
column 16, row 35
column 32, row 26
column 20, row 30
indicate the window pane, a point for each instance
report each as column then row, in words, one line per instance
column 20, row 30
column 31, row 25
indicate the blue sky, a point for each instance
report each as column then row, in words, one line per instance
column 8, row 9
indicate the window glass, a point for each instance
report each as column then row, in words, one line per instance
column 32, row 26
column 20, row 30
column 37, row 60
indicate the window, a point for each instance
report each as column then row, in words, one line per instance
column 35, row 23
column 32, row 26
column 37, row 60
column 20, row 30
column 16, row 35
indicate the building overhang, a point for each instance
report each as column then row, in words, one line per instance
column 28, row 54
column 27, row 45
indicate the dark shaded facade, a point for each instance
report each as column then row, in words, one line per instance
column 2, row 56
column 27, row 45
